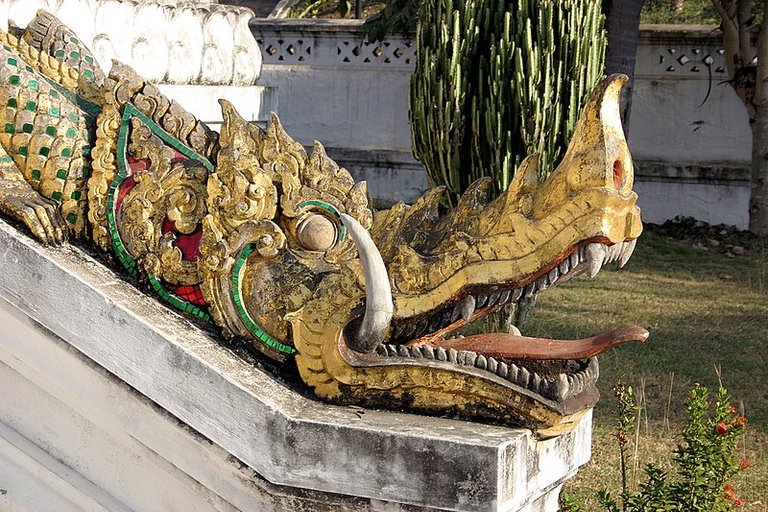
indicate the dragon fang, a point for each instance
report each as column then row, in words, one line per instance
column 246, row 230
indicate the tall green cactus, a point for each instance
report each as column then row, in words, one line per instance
column 497, row 80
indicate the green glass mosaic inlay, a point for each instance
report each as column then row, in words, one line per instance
column 50, row 130
column 45, row 151
column 32, row 84
column 9, row 128
column 74, row 55
column 58, row 53
column 13, row 103
column 53, row 93
column 88, row 73
column 237, row 298
column 31, row 105
column 66, row 152
column 71, row 133
column 54, row 111
column 13, row 62
column 14, row 80
column 56, row 196
column 73, row 117
column 22, row 150
column 26, row 128
column 5, row 159
column 76, row 195
column 36, row 174
column 71, row 218
column 88, row 59
column 61, row 174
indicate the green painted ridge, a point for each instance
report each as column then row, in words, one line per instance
column 237, row 298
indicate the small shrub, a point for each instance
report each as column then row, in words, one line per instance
column 703, row 462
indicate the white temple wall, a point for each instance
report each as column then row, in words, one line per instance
column 688, row 131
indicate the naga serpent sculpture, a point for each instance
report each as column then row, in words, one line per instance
column 280, row 248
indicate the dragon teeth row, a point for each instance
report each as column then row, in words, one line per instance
column 467, row 306
column 590, row 255
column 590, row 258
column 561, row 388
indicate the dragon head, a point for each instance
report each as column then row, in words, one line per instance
column 379, row 334
column 280, row 248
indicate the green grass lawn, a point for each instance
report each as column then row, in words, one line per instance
column 691, row 11
column 707, row 313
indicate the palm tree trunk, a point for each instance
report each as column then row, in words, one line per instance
column 622, row 24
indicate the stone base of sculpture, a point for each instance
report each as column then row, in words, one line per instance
column 108, row 411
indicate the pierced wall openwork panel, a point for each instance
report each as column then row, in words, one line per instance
column 333, row 49
column 693, row 60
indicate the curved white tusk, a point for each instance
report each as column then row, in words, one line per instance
column 378, row 305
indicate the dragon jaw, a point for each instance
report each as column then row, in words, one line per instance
column 542, row 384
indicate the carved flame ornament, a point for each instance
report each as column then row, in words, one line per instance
column 280, row 248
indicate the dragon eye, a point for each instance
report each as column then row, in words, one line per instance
column 320, row 228
column 316, row 232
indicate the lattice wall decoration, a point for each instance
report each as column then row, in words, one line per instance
column 385, row 52
column 285, row 50
column 693, row 60
column 335, row 51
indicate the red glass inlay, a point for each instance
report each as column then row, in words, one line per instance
column 189, row 245
column 124, row 189
column 191, row 294
column 618, row 174
column 138, row 165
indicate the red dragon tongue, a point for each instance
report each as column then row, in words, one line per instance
column 510, row 346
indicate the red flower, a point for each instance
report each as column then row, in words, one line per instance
column 730, row 495
column 744, row 464
column 740, row 421
column 722, row 428
column 731, row 409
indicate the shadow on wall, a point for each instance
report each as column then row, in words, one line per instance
column 261, row 8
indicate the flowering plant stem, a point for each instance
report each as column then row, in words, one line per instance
column 704, row 461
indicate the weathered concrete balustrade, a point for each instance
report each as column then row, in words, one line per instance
column 113, row 402
column 195, row 51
